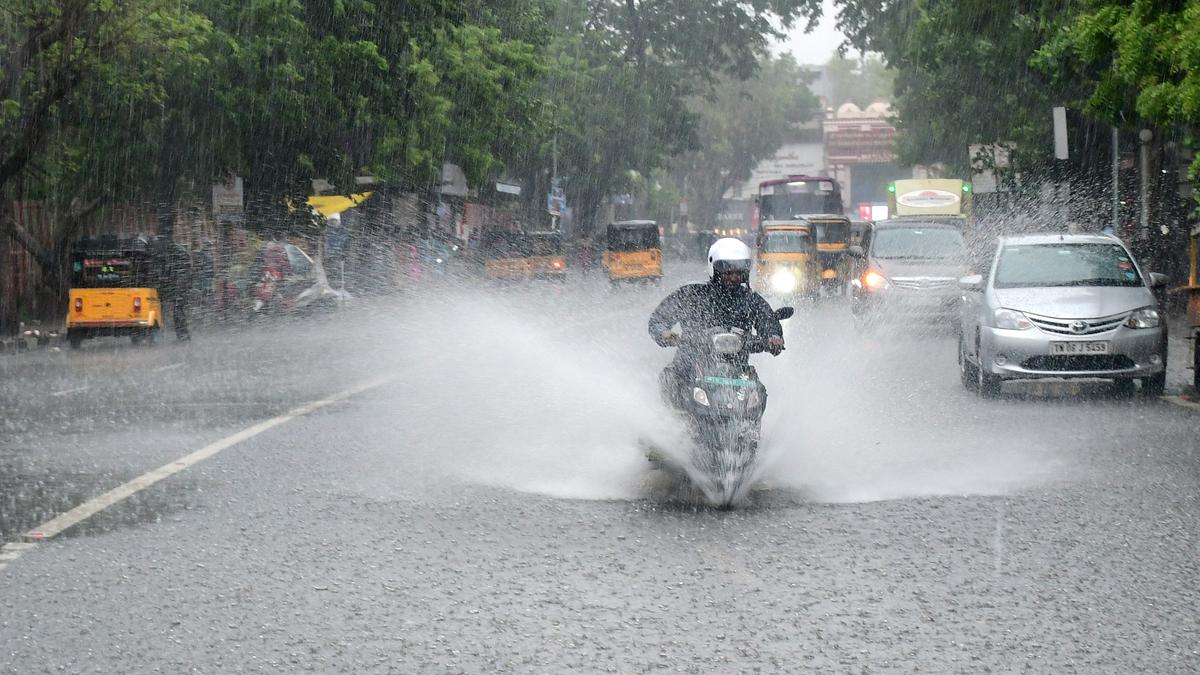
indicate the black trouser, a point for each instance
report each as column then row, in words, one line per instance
column 180, row 305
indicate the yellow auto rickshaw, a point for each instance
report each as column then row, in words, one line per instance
column 515, row 255
column 832, row 235
column 113, row 290
column 785, row 263
column 633, row 251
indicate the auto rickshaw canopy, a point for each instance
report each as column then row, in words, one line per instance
column 632, row 235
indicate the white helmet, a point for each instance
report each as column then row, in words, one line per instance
column 727, row 255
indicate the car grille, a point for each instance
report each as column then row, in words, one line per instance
column 922, row 283
column 1078, row 326
column 1078, row 362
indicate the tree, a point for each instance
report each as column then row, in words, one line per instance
column 963, row 73
column 623, row 72
column 64, row 76
column 742, row 123
column 861, row 80
column 1140, row 62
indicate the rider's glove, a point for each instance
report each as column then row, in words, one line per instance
column 775, row 345
column 667, row 338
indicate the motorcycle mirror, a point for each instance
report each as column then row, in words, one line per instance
column 784, row 313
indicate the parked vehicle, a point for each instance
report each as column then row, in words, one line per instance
column 283, row 279
column 515, row 255
column 114, row 290
column 1062, row 306
column 907, row 271
column 633, row 251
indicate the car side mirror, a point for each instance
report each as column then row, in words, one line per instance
column 784, row 313
column 1157, row 280
column 857, row 251
column 971, row 282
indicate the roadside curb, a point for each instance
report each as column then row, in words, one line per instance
column 1182, row 402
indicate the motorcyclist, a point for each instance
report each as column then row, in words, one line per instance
column 726, row 300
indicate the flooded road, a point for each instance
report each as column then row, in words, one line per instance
column 480, row 503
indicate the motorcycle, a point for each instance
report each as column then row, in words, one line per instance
column 722, row 404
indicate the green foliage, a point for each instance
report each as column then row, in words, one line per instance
column 153, row 100
column 963, row 73
column 861, row 80
column 742, row 123
column 1140, row 62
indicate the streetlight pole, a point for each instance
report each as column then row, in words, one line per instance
column 1145, row 136
column 1116, row 180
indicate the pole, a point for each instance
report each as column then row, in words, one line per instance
column 1116, row 180
column 1145, row 136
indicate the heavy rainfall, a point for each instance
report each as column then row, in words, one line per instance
column 599, row 335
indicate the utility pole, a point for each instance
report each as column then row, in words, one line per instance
column 1116, row 180
column 1145, row 136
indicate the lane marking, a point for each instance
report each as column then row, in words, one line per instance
column 1182, row 402
column 998, row 540
column 70, row 391
column 55, row 526
column 172, row 366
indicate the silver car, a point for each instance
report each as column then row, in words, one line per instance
column 1061, row 306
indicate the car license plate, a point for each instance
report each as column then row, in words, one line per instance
column 1097, row 347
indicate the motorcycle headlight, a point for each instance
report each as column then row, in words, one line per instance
column 1011, row 320
column 783, row 281
column 700, row 396
column 1146, row 317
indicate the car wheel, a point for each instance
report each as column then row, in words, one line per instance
column 966, row 369
column 75, row 339
column 986, row 384
column 1155, row 385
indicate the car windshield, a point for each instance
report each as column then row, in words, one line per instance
column 787, row 242
column 1063, row 264
column 925, row 243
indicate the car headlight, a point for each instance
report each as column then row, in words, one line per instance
column 874, row 281
column 699, row 396
column 1146, row 317
column 783, row 281
column 1011, row 320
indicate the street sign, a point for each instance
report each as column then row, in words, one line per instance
column 1061, row 150
column 556, row 201
column 228, row 200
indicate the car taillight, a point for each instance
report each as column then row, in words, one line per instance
column 137, row 304
column 557, row 264
column 78, row 304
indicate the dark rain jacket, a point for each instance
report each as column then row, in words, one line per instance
column 697, row 307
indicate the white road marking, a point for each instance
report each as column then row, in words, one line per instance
column 70, row 391
column 52, row 528
column 169, row 367
column 998, row 539
column 1182, row 402
column 11, row 551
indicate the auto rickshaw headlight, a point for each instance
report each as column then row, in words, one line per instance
column 700, row 396
column 783, row 281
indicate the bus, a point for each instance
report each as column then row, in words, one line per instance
column 795, row 197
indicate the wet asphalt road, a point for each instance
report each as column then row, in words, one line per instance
column 486, row 509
